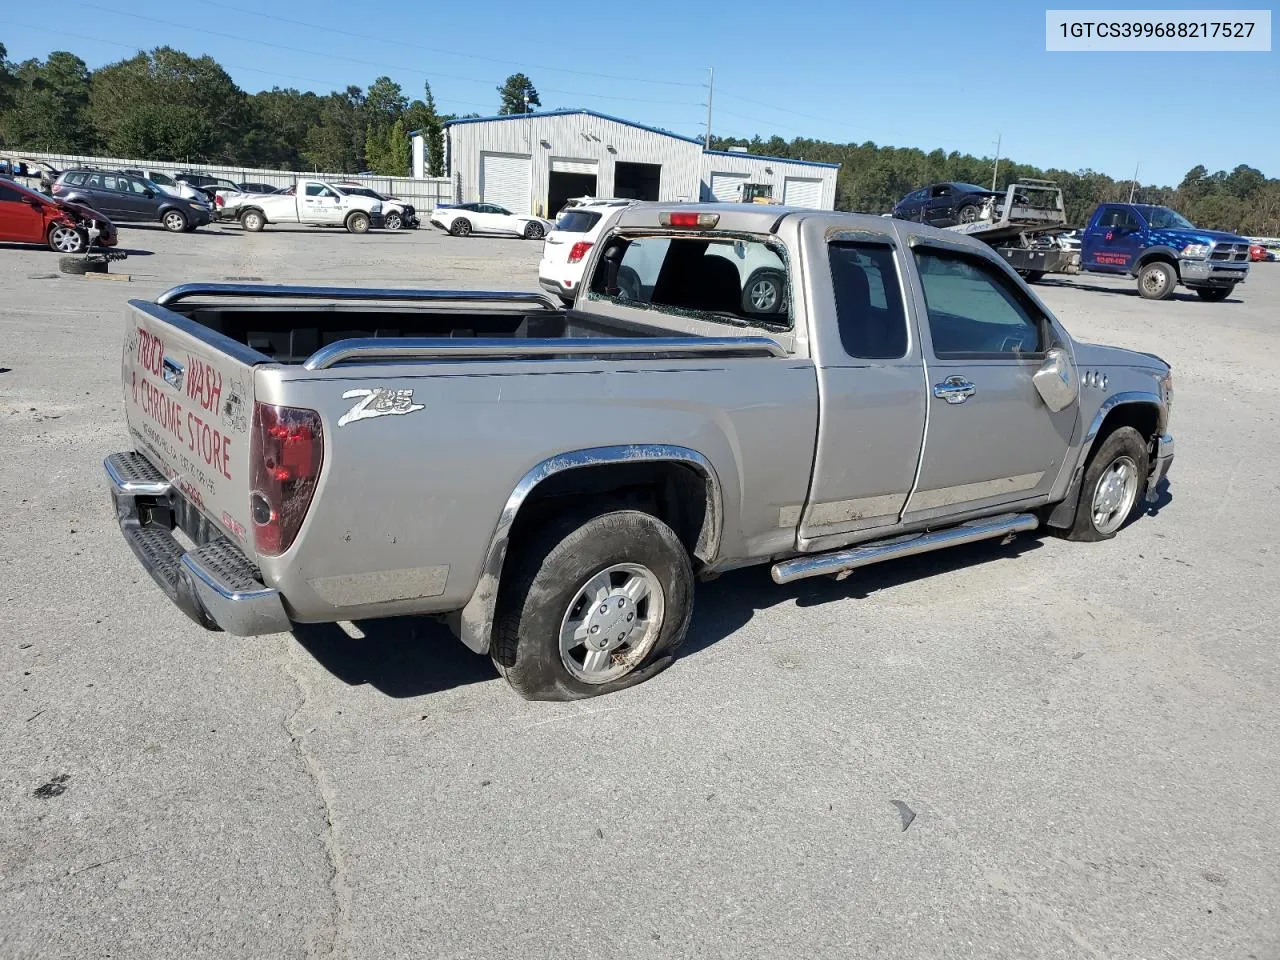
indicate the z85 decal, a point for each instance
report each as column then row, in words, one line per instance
column 378, row 402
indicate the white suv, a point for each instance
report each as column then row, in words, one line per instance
column 564, row 251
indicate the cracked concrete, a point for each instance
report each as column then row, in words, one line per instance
column 1084, row 732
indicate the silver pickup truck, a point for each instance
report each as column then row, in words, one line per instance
column 553, row 481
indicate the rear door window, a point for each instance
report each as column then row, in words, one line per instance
column 74, row 179
column 735, row 280
column 869, row 312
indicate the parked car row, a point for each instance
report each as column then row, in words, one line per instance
column 124, row 197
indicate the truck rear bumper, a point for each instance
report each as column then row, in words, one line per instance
column 213, row 583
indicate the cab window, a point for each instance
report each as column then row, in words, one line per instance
column 975, row 311
column 732, row 280
column 319, row 190
column 869, row 312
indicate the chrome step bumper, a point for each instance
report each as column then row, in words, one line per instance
column 214, row 584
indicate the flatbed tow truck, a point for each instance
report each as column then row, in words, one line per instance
column 1017, row 227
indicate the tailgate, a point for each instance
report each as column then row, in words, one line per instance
column 188, row 404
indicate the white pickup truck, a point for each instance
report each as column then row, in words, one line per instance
column 312, row 202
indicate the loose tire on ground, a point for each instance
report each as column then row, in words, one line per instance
column 461, row 227
column 253, row 220
column 1105, row 503
column 175, row 221
column 64, row 239
column 79, row 266
column 541, row 601
column 533, row 231
column 1213, row 294
column 358, row 223
column 1156, row 280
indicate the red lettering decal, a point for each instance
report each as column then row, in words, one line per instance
column 150, row 352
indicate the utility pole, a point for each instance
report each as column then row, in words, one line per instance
column 996, row 171
column 1133, row 184
column 711, row 89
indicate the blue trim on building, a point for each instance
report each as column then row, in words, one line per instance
column 569, row 113
column 761, row 156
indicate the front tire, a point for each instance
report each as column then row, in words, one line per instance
column 1213, row 294
column 175, row 221
column 1112, row 486
column 393, row 221
column 64, row 239
column 592, row 604
column 534, row 231
column 461, row 227
column 358, row 223
column 1156, row 280
column 967, row 214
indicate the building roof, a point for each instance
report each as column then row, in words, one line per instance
column 762, row 156
column 574, row 112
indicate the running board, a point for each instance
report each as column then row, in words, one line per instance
column 842, row 562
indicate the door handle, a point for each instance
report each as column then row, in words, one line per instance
column 954, row 390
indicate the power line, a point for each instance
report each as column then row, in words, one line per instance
column 449, row 53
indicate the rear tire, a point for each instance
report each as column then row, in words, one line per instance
column 1213, row 294
column 461, row 227
column 175, row 221
column 69, row 240
column 253, row 221
column 1033, row 276
column 1156, row 280
column 1113, row 485
column 358, row 223
column 765, row 292
column 603, row 571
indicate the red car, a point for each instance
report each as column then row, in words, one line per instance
column 30, row 217
column 1257, row 252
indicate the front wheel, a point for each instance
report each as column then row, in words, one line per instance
column 533, row 231
column 393, row 221
column 358, row 223
column 1111, row 486
column 1213, row 294
column 1156, row 280
column 592, row 606
column 253, row 221
column 967, row 214
column 64, row 239
column 175, row 221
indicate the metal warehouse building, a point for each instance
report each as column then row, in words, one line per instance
column 533, row 163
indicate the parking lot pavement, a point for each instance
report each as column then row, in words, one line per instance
column 1037, row 750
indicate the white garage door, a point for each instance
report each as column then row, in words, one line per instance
column 562, row 165
column 727, row 187
column 802, row 192
column 504, row 180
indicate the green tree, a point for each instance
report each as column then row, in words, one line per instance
column 8, row 81
column 278, row 132
column 336, row 142
column 518, row 95
column 423, row 116
column 48, row 102
column 167, row 105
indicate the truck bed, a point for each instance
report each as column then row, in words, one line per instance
column 284, row 325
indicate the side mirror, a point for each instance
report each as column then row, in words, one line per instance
column 1056, row 380
column 149, row 194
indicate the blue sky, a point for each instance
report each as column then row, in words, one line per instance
column 925, row 74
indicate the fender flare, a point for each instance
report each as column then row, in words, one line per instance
column 1065, row 510
column 474, row 623
column 1153, row 252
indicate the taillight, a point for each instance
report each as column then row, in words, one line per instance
column 58, row 187
column 286, row 450
column 219, row 201
column 578, row 251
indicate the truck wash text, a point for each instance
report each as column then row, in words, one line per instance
column 188, row 428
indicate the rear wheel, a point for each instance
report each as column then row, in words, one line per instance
column 765, row 292
column 358, row 223
column 393, row 221
column 593, row 604
column 1032, row 276
column 1156, row 280
column 1213, row 294
column 1111, row 486
column 64, row 239
column 461, row 227
column 175, row 221
column 533, row 230
column 253, row 221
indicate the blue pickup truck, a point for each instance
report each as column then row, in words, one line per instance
column 1162, row 249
